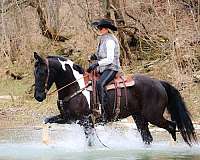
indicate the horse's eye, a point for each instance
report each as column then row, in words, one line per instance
column 41, row 74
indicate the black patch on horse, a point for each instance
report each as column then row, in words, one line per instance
column 78, row 68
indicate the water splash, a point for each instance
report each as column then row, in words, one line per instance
column 68, row 141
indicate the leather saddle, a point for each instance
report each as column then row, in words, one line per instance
column 120, row 80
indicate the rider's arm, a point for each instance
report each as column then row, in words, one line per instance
column 110, row 46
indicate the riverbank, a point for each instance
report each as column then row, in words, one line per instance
column 19, row 108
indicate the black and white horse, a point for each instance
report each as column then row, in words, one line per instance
column 146, row 100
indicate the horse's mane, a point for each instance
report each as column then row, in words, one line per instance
column 56, row 57
column 75, row 66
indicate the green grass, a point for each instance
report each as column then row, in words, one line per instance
column 14, row 87
column 24, row 110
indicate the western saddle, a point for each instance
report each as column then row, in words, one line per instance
column 117, row 84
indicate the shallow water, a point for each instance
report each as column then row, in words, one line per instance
column 65, row 142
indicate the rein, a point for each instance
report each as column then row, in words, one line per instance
column 67, row 85
column 73, row 95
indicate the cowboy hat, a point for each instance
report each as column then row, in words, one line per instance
column 104, row 23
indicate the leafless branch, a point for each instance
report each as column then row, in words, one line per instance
column 43, row 24
column 13, row 5
column 137, row 20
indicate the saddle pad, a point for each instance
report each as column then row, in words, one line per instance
column 112, row 86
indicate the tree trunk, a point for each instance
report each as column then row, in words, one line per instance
column 120, row 22
column 106, row 8
column 53, row 11
column 13, row 33
column 48, row 31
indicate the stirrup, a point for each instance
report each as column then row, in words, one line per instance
column 97, row 111
column 104, row 119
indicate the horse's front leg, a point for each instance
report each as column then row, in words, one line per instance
column 55, row 119
column 142, row 126
column 62, row 118
column 88, row 127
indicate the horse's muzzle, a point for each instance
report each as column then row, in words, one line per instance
column 40, row 96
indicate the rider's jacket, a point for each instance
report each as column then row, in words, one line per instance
column 108, row 52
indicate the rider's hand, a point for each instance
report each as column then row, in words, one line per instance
column 92, row 67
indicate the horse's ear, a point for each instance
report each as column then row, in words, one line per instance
column 38, row 57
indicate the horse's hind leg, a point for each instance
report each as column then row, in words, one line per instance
column 142, row 126
column 172, row 129
column 168, row 125
column 88, row 127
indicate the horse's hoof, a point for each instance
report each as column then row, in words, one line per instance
column 174, row 136
column 90, row 141
column 90, row 144
column 148, row 140
column 147, row 143
column 173, row 132
column 146, row 137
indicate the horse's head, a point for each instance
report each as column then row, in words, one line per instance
column 59, row 70
column 41, row 74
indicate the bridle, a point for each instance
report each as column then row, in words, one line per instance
column 47, row 79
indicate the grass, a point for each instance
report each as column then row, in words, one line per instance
column 14, row 87
column 24, row 110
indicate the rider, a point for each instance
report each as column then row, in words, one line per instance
column 107, row 56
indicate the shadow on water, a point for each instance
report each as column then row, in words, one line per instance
column 67, row 142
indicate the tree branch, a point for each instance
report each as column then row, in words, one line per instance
column 13, row 5
column 43, row 24
column 137, row 20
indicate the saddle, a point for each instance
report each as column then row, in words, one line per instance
column 120, row 81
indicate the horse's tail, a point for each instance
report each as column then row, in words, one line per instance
column 179, row 113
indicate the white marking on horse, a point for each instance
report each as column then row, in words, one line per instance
column 78, row 77
column 63, row 63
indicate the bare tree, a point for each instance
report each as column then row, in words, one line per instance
column 112, row 10
column 106, row 8
column 53, row 10
column 50, row 33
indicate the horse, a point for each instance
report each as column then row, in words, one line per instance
column 146, row 100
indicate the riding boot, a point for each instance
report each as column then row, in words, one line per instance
column 105, row 78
